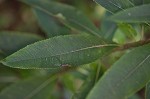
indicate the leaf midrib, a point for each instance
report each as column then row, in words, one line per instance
column 82, row 49
column 132, row 71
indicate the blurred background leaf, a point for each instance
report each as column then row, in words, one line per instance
column 108, row 28
column 33, row 88
column 67, row 15
column 147, row 91
column 10, row 41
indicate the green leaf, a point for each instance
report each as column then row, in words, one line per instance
column 51, row 25
column 13, row 41
column 67, row 15
column 135, row 96
column 115, row 5
column 68, row 81
column 137, row 2
column 70, row 50
column 146, row 1
column 147, row 95
column 7, row 76
column 133, row 15
column 33, row 88
column 128, row 75
column 88, row 83
column 79, row 75
column 128, row 30
column 108, row 28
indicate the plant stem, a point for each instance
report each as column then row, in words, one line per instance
column 132, row 45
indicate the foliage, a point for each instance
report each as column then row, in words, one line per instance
column 64, row 53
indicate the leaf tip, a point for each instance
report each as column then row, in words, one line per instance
column 3, row 61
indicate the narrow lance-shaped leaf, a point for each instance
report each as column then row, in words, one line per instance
column 88, row 83
column 115, row 5
column 108, row 28
column 33, row 88
column 13, row 41
column 120, row 5
column 68, row 15
column 147, row 95
column 71, row 50
column 128, row 75
column 51, row 25
column 136, row 14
